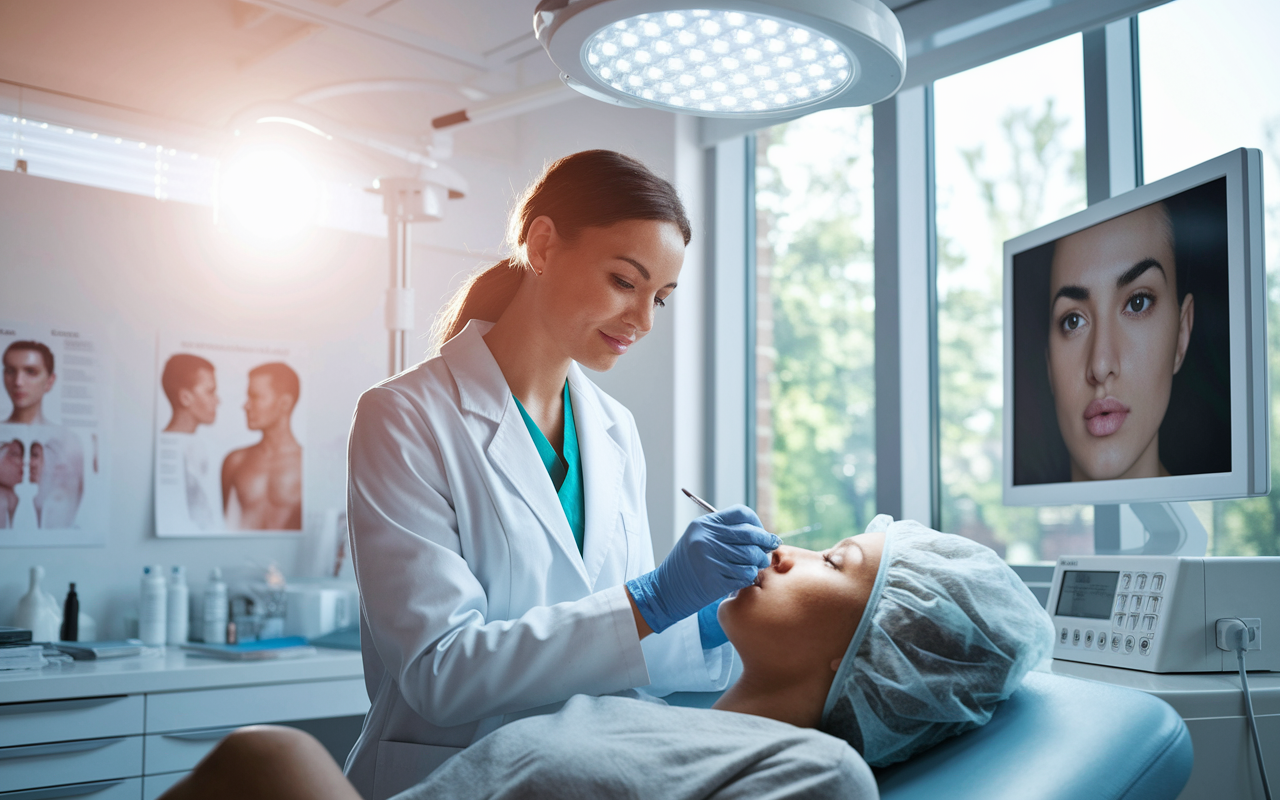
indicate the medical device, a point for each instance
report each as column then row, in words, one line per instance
column 1082, row 287
column 1163, row 613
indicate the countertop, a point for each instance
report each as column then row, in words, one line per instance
column 172, row 671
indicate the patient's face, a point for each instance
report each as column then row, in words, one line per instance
column 803, row 610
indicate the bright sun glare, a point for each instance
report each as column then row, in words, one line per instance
column 269, row 192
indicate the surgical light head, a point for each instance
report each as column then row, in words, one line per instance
column 948, row 633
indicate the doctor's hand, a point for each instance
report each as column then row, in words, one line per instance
column 718, row 554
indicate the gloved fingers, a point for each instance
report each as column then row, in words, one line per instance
column 737, row 515
column 746, row 535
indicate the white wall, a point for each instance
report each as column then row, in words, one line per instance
column 133, row 267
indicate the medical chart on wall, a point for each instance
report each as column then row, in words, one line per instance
column 53, row 412
column 230, row 423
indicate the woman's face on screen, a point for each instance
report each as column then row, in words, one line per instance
column 1117, row 336
column 802, row 611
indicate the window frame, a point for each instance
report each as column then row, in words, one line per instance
column 907, row 401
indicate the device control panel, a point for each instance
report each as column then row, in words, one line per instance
column 1157, row 613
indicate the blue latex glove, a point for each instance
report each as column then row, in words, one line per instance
column 709, row 630
column 718, row 553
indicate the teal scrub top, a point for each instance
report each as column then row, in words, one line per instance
column 566, row 473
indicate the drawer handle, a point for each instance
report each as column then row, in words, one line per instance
column 58, row 748
column 58, row 705
column 201, row 736
column 75, row 790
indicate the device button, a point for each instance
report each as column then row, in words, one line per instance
column 1128, row 644
column 1088, row 638
column 1135, row 602
column 1102, row 640
column 1075, row 638
column 1157, row 582
column 1133, row 622
column 1118, row 621
column 1153, row 605
column 1062, row 636
column 1149, row 622
column 1144, row 646
column 1140, row 582
column 1125, row 580
column 1122, row 600
column 1115, row 642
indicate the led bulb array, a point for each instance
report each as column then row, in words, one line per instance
column 721, row 62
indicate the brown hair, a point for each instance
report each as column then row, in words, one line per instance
column 591, row 189
column 46, row 355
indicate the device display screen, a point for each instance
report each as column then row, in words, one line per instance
column 1087, row 594
column 1058, row 425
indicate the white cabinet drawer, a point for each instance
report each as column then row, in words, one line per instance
column 33, row 765
column 155, row 785
column 180, row 750
column 129, row 789
column 253, row 705
column 60, row 720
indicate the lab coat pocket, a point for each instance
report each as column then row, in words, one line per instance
column 404, row 764
column 639, row 549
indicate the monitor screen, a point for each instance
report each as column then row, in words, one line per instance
column 1087, row 594
column 1122, row 363
column 1135, row 334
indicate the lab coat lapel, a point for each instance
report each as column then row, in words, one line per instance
column 514, row 456
column 603, row 466
column 483, row 390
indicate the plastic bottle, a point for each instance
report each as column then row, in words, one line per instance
column 151, row 609
column 38, row 611
column 178, row 610
column 71, row 616
column 215, row 609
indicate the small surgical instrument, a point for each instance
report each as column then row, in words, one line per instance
column 709, row 508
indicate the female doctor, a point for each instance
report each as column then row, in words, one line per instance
column 497, row 497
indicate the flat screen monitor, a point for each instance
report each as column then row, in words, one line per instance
column 1135, row 348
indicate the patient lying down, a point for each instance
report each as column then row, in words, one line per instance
column 891, row 642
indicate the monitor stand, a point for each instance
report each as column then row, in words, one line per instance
column 1170, row 529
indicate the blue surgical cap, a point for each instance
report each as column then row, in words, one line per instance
column 948, row 633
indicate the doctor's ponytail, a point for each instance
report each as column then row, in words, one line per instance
column 591, row 189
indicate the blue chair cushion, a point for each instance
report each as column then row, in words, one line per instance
column 1056, row 738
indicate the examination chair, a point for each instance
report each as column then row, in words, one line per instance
column 1056, row 738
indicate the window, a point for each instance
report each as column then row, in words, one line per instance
column 1208, row 74
column 815, row 332
column 1009, row 156
column 75, row 155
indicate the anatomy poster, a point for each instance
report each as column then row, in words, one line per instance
column 230, row 417
column 52, row 414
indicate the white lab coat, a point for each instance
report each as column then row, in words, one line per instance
column 476, row 607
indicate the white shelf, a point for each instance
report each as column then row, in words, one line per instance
column 1194, row 695
column 175, row 671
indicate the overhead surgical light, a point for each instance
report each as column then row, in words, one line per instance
column 297, row 123
column 748, row 59
column 268, row 191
